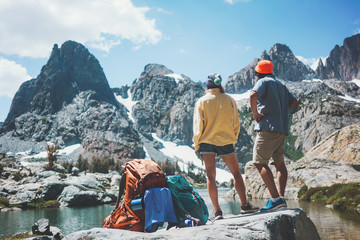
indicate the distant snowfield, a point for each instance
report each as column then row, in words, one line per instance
column 241, row 96
column 313, row 80
column 66, row 151
column 187, row 155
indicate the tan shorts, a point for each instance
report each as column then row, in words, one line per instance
column 269, row 145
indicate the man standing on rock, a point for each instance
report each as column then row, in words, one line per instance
column 270, row 103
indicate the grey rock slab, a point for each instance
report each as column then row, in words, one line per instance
column 283, row 224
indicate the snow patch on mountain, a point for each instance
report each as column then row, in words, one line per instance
column 240, row 96
column 348, row 98
column 186, row 155
column 128, row 103
column 65, row 151
column 177, row 77
column 356, row 81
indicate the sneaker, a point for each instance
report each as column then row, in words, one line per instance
column 248, row 208
column 274, row 205
column 218, row 215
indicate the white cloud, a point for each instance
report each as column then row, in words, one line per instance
column 12, row 75
column 161, row 10
column 234, row 1
column 311, row 62
column 30, row 28
column 247, row 48
column 183, row 51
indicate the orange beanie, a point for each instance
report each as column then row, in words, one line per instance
column 264, row 66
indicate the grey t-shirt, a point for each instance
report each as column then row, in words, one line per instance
column 273, row 100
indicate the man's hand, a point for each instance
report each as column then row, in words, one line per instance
column 253, row 103
column 257, row 116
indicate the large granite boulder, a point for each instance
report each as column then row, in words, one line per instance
column 342, row 145
column 312, row 172
column 285, row 224
column 74, row 196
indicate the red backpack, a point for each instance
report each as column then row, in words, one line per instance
column 139, row 175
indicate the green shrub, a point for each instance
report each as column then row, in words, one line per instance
column 319, row 196
column 349, row 190
column 103, row 165
column 333, row 189
column 40, row 203
column 169, row 167
column 18, row 176
column 307, row 195
column 62, row 175
column 302, row 190
column 341, row 196
column 82, row 164
column 4, row 202
column 340, row 204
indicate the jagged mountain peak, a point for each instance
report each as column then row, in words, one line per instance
column 154, row 69
column 286, row 67
column 343, row 62
column 70, row 102
column 279, row 47
column 70, row 70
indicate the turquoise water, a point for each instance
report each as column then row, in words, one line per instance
column 330, row 224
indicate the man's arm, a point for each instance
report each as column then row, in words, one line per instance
column 253, row 105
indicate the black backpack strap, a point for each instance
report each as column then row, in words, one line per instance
column 184, row 212
column 122, row 187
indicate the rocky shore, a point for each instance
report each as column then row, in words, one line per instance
column 33, row 187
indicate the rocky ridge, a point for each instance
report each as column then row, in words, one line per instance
column 343, row 62
column 165, row 104
column 286, row 67
column 322, row 111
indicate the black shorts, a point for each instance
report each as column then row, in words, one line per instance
column 219, row 151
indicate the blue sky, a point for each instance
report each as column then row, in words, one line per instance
column 191, row 37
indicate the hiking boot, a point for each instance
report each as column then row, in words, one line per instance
column 248, row 208
column 218, row 215
column 274, row 205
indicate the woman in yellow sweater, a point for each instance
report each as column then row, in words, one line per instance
column 216, row 127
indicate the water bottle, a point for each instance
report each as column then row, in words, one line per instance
column 190, row 223
column 137, row 204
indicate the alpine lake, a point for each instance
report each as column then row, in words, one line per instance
column 330, row 224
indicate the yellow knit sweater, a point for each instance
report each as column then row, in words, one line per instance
column 216, row 119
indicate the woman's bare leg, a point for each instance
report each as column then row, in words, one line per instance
column 210, row 167
column 233, row 164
